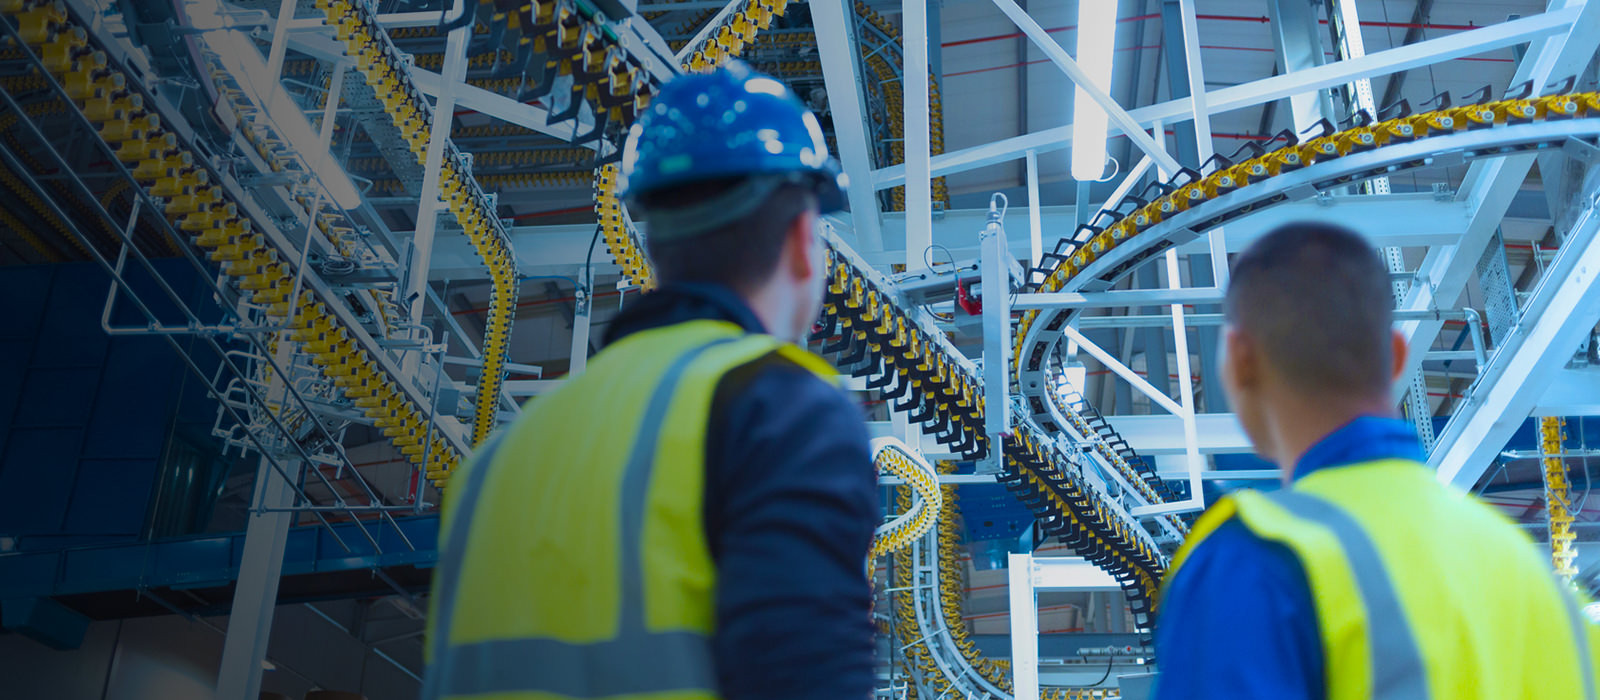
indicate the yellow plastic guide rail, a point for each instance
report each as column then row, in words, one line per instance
column 1558, row 498
column 380, row 63
column 170, row 172
column 892, row 456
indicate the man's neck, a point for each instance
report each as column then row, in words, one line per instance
column 1298, row 427
column 772, row 308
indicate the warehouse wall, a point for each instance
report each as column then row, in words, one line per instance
column 172, row 658
column 86, row 418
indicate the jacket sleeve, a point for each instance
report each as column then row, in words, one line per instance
column 791, row 504
column 1237, row 622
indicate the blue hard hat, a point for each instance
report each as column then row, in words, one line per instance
column 733, row 121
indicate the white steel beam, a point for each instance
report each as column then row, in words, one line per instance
column 1123, row 371
column 498, row 106
column 1555, row 319
column 1119, row 116
column 1219, row 433
column 836, row 49
column 1118, row 298
column 1191, row 437
column 1468, row 43
column 1573, row 392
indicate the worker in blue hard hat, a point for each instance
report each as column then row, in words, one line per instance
column 1363, row 577
column 690, row 517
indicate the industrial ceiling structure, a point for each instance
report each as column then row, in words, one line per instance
column 365, row 233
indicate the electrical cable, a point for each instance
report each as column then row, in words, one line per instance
column 1111, row 660
column 588, row 259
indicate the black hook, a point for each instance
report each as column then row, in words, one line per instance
column 468, row 13
column 1255, row 148
column 1400, row 109
column 1565, row 85
column 1361, row 118
column 1222, row 163
column 1189, row 175
column 1442, row 100
column 1324, row 128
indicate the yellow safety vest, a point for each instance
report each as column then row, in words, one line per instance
column 1420, row 590
column 574, row 560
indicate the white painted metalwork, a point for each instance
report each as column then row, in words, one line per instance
column 428, row 204
column 1558, row 315
column 914, row 83
column 1119, row 116
column 996, row 266
column 1467, row 43
column 836, row 50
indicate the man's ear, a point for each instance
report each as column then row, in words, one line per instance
column 1241, row 357
column 1398, row 350
column 797, row 244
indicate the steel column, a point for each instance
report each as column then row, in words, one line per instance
column 836, row 49
column 428, row 205
column 1035, row 227
column 1024, row 627
column 1297, row 38
column 261, row 564
column 918, row 149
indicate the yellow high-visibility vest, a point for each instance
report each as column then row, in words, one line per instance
column 574, row 563
column 1420, row 591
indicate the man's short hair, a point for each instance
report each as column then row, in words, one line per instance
column 741, row 254
column 1317, row 299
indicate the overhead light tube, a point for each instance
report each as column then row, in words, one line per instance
column 1097, row 30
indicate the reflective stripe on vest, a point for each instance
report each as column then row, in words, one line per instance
column 1398, row 671
column 656, row 661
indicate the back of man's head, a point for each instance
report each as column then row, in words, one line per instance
column 1316, row 300
column 740, row 254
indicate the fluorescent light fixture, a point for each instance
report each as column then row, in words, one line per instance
column 1097, row 33
column 242, row 61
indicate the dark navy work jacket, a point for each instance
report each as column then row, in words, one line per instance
column 790, row 507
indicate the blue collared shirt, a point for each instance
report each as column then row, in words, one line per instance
column 1237, row 621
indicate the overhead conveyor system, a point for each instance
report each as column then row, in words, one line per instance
column 259, row 220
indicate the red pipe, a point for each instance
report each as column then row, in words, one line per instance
column 1218, row 18
column 538, row 302
column 1215, row 47
column 552, row 212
